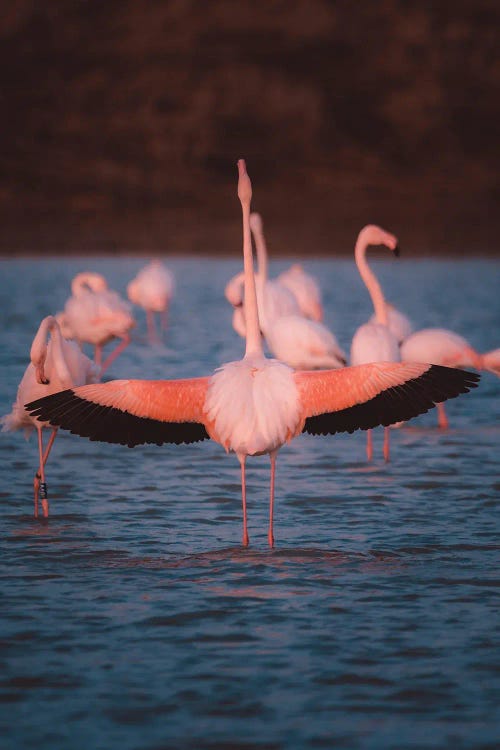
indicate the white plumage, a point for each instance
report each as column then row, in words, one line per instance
column 242, row 401
column 306, row 290
column 304, row 344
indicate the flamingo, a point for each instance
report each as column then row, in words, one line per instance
column 152, row 289
column 55, row 364
column 374, row 341
column 96, row 315
column 254, row 405
column 443, row 347
column 306, row 290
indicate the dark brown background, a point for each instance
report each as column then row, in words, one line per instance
column 122, row 122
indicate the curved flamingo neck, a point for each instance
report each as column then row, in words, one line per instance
column 253, row 337
column 38, row 353
column 371, row 282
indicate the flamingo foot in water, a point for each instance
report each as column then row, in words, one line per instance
column 36, row 490
column 45, row 500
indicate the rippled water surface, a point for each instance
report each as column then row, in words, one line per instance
column 134, row 620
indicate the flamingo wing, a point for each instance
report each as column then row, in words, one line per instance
column 380, row 393
column 129, row 412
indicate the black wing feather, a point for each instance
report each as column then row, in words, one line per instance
column 396, row 404
column 110, row 425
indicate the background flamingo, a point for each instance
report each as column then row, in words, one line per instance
column 97, row 315
column 254, row 405
column 374, row 341
column 306, row 290
column 443, row 347
column 152, row 289
column 55, row 364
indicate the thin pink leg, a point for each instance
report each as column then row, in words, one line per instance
column 38, row 476
column 98, row 355
column 369, row 445
column 164, row 319
column 39, row 480
column 270, row 536
column 443, row 423
column 387, row 444
column 114, row 354
column 245, row 540
column 150, row 318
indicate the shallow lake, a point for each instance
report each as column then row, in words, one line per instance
column 134, row 620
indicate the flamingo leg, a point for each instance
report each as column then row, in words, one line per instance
column 387, row 444
column 98, row 354
column 39, row 484
column 270, row 536
column 164, row 319
column 150, row 317
column 443, row 423
column 369, row 445
column 245, row 539
column 116, row 351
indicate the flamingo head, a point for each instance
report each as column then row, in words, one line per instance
column 40, row 374
column 375, row 235
column 244, row 184
column 132, row 292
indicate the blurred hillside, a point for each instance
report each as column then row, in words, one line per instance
column 122, row 123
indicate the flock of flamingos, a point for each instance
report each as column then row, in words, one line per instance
column 254, row 405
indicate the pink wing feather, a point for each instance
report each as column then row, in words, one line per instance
column 381, row 393
column 130, row 412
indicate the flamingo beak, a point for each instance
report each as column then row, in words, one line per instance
column 40, row 375
column 397, row 251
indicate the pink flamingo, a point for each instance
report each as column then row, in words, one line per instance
column 96, row 315
column 152, row 289
column 443, row 347
column 374, row 341
column 306, row 290
column 54, row 365
column 254, row 405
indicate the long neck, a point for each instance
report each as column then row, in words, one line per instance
column 58, row 359
column 38, row 353
column 253, row 339
column 260, row 245
column 370, row 280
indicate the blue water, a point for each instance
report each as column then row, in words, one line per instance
column 134, row 620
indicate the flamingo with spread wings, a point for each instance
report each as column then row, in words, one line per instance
column 254, row 405
column 55, row 364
